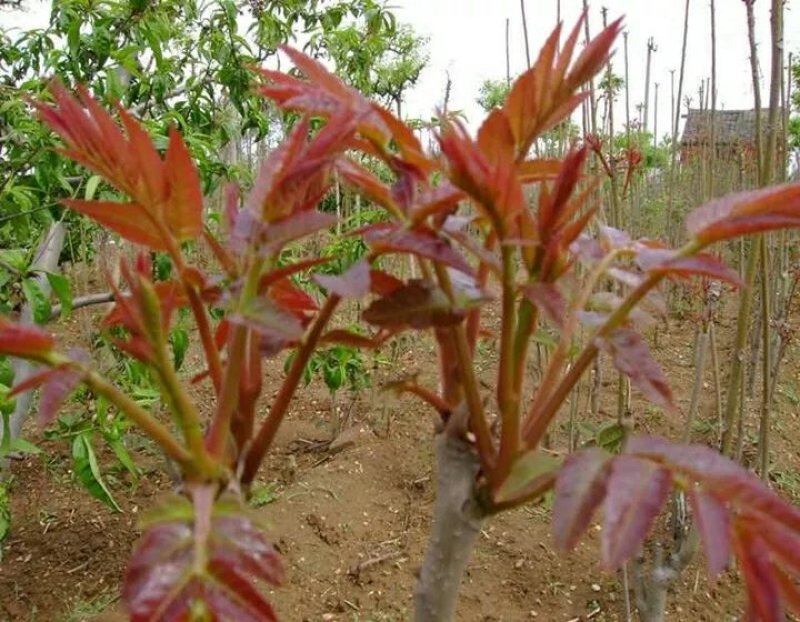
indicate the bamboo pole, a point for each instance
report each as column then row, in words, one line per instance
column 525, row 33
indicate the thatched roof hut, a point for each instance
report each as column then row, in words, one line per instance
column 734, row 131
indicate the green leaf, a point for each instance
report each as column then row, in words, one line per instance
column 145, row 396
column 544, row 338
column 7, row 404
column 123, row 456
column 524, row 471
column 5, row 512
column 87, row 470
column 15, row 258
column 74, row 37
column 264, row 495
column 611, row 436
column 179, row 339
column 60, row 285
column 91, row 187
column 40, row 304
column 6, row 372
column 333, row 375
column 155, row 47
column 20, row 445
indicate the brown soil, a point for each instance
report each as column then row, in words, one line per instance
column 352, row 525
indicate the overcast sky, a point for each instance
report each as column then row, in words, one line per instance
column 467, row 38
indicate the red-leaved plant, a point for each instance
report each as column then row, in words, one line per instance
column 465, row 217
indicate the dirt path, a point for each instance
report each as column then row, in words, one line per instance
column 351, row 525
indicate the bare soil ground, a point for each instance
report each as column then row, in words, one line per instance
column 351, row 525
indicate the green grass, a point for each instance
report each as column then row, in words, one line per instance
column 264, row 495
column 83, row 610
column 787, row 481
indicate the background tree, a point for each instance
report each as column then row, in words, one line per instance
column 492, row 94
column 171, row 63
column 380, row 64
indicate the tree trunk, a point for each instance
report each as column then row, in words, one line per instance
column 47, row 261
column 457, row 522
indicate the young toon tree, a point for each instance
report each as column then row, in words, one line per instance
column 198, row 557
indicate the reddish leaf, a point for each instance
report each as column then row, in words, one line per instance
column 269, row 320
column 495, row 138
column 183, row 210
column 789, row 589
column 365, row 181
column 236, row 542
column 531, row 95
column 632, row 357
column 479, row 251
column 580, row 489
column 549, row 300
column 58, row 386
column 270, row 238
column 325, row 95
column 158, row 562
column 165, row 579
column 762, row 588
column 291, row 299
column 433, row 201
column 231, row 205
column 349, row 338
column 466, row 290
column 383, row 284
column 663, row 261
column 420, row 241
column 544, row 95
column 614, row 239
column 636, row 491
column 588, row 250
column 221, row 254
column 92, row 139
column 417, row 304
column 713, row 522
column 540, row 169
column 628, row 278
column 600, row 306
column 783, row 544
column 296, row 175
column 720, row 476
column 129, row 220
column 33, row 381
column 221, row 333
column 554, row 206
column 746, row 212
column 279, row 274
column 508, row 197
column 468, row 167
column 352, row 284
column 595, row 54
column 23, row 341
column 170, row 294
column 166, row 193
column 404, row 139
column 297, row 226
column 404, row 188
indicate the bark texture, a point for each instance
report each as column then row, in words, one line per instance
column 457, row 522
column 47, row 261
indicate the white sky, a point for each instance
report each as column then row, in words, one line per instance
column 467, row 37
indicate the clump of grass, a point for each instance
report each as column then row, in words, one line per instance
column 84, row 609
